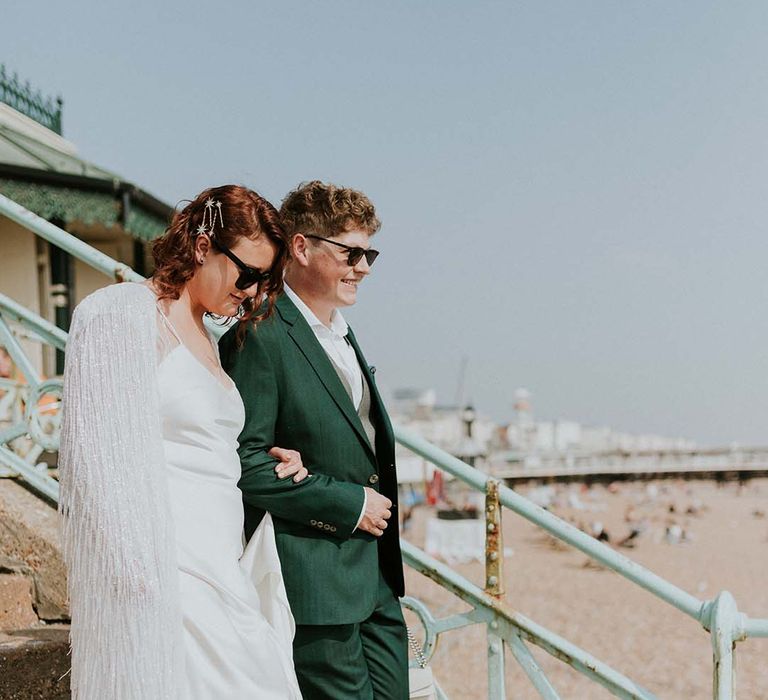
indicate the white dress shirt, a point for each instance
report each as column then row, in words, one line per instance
column 336, row 346
column 332, row 339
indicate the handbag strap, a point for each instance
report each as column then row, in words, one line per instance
column 418, row 652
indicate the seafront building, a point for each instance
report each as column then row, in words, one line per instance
column 522, row 442
column 42, row 171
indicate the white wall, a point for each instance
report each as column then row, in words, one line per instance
column 19, row 274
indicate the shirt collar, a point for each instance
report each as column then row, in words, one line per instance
column 338, row 324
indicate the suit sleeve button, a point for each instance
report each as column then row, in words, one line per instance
column 313, row 522
column 373, row 478
column 319, row 523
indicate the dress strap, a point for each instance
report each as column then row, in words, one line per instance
column 168, row 323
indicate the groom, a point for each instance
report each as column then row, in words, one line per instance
column 306, row 385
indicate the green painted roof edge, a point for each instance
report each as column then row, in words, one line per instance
column 70, row 204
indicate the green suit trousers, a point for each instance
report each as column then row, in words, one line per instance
column 363, row 661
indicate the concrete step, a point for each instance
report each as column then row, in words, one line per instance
column 34, row 664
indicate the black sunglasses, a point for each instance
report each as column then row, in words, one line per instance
column 355, row 253
column 248, row 275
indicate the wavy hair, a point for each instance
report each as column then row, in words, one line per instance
column 327, row 210
column 246, row 214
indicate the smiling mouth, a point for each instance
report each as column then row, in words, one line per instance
column 351, row 283
column 237, row 299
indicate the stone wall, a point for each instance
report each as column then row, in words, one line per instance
column 32, row 573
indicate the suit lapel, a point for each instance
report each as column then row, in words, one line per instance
column 309, row 346
column 376, row 401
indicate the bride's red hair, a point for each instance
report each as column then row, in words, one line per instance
column 245, row 214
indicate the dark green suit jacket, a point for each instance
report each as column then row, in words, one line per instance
column 294, row 399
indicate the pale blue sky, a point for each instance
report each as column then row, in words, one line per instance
column 573, row 193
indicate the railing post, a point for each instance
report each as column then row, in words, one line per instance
column 494, row 585
column 494, row 541
column 726, row 626
column 496, row 689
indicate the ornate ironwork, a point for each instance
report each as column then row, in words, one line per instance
column 44, row 110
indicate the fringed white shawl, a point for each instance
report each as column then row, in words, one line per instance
column 117, row 531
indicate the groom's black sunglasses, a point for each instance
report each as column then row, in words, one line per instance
column 248, row 275
column 355, row 253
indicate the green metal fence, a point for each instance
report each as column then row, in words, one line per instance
column 24, row 99
column 505, row 628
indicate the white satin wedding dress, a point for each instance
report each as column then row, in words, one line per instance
column 166, row 603
column 237, row 625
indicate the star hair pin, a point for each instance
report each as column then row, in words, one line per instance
column 211, row 214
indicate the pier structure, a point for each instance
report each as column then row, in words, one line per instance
column 572, row 465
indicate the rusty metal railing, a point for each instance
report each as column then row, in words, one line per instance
column 719, row 616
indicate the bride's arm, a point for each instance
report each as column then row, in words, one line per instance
column 115, row 523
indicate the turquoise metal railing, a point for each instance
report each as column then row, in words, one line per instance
column 39, row 397
column 504, row 626
column 719, row 616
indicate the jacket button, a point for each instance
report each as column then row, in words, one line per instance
column 326, row 527
column 333, row 528
column 373, row 478
column 313, row 522
column 319, row 524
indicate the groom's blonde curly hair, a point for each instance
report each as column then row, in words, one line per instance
column 327, row 210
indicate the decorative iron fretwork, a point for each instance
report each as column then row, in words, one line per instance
column 44, row 110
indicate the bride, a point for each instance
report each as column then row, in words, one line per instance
column 165, row 600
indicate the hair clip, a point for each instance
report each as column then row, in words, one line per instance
column 211, row 213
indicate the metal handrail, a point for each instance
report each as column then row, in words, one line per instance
column 44, row 330
column 719, row 616
column 509, row 625
column 555, row 526
column 67, row 242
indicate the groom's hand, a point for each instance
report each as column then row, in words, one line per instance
column 377, row 512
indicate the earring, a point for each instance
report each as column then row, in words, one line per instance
column 200, row 261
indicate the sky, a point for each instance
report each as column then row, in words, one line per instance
column 573, row 194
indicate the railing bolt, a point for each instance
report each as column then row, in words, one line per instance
column 493, row 556
column 492, row 580
column 491, row 527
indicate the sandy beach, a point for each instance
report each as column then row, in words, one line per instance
column 699, row 535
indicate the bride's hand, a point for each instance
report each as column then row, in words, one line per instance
column 290, row 464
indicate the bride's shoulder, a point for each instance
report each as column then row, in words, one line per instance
column 126, row 298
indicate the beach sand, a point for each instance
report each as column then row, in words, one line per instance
column 655, row 645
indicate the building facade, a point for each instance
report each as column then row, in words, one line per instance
column 41, row 171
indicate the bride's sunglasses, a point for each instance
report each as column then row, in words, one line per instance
column 248, row 275
column 354, row 253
